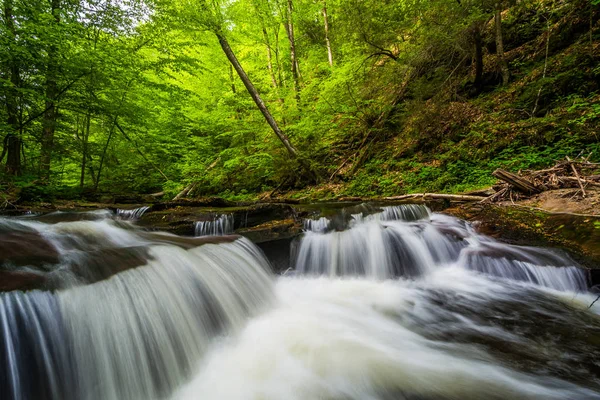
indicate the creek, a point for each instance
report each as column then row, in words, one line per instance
column 394, row 302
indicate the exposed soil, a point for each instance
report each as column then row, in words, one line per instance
column 564, row 201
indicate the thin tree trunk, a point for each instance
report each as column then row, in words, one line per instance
column 85, row 134
column 539, row 93
column 255, row 95
column 500, row 45
column 327, row 41
column 12, row 140
column 269, row 56
column 110, row 133
column 289, row 25
column 50, row 115
column 232, row 80
column 277, row 58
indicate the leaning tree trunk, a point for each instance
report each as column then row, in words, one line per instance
column 500, row 45
column 50, row 114
column 327, row 41
column 289, row 27
column 255, row 95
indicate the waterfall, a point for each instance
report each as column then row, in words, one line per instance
column 135, row 333
column 386, row 303
column 133, row 214
column 405, row 212
column 320, row 225
column 409, row 241
column 219, row 225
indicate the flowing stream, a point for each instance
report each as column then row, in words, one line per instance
column 389, row 303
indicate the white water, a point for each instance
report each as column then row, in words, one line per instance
column 132, row 214
column 383, row 246
column 320, row 225
column 403, row 305
column 362, row 339
column 136, row 332
column 219, row 225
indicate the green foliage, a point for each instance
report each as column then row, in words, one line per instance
column 148, row 102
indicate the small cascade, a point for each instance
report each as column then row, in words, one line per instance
column 133, row 214
column 138, row 331
column 404, row 212
column 409, row 242
column 219, row 225
column 320, row 225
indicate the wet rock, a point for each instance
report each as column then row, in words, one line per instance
column 279, row 253
column 180, row 219
column 21, row 248
column 273, row 230
column 262, row 213
column 18, row 280
column 578, row 235
column 206, row 202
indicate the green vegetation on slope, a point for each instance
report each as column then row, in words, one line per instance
column 380, row 98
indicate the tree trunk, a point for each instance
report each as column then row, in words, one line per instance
column 85, row 134
column 516, row 181
column 12, row 140
column 255, row 95
column 278, row 59
column 110, row 133
column 478, row 42
column 13, row 159
column 269, row 57
column 500, row 45
column 289, row 27
column 232, row 80
column 327, row 41
column 49, row 120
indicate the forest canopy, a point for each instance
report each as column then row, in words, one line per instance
column 242, row 97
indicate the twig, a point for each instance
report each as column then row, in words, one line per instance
column 577, row 176
column 594, row 302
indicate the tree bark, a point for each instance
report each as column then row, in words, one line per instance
column 427, row 196
column 327, row 41
column 278, row 59
column 12, row 140
column 85, row 134
column 232, row 80
column 50, row 114
column 289, row 27
column 255, row 95
column 269, row 56
column 516, row 181
column 110, row 134
column 500, row 45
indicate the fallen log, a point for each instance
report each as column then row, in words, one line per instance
column 516, row 181
column 434, row 196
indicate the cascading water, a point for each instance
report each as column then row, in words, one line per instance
column 133, row 214
column 410, row 241
column 320, row 225
column 386, row 303
column 219, row 225
column 135, row 332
